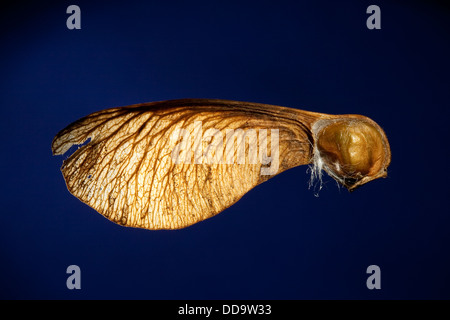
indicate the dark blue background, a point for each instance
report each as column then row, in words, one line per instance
column 279, row 241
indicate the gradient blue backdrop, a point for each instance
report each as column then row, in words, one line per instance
column 279, row 241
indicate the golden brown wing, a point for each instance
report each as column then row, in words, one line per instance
column 170, row 164
column 135, row 170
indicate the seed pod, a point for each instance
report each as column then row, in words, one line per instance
column 353, row 149
column 170, row 164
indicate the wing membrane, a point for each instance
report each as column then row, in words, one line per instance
column 155, row 165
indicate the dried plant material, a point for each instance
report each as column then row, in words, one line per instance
column 170, row 164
